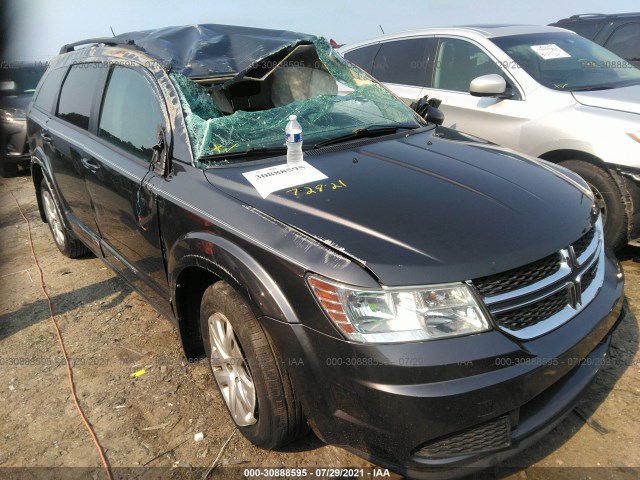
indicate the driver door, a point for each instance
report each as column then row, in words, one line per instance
column 122, row 183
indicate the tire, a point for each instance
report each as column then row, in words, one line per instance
column 241, row 357
column 68, row 246
column 608, row 197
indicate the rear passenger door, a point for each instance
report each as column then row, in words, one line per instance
column 131, row 120
column 66, row 139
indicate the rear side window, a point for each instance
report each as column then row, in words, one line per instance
column 49, row 89
column 586, row 29
column 131, row 117
column 363, row 57
column 625, row 42
column 403, row 62
column 78, row 92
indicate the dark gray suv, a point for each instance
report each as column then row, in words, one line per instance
column 420, row 297
column 619, row 32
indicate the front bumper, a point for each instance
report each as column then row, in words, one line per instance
column 15, row 143
column 392, row 403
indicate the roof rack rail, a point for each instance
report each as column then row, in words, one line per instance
column 582, row 15
column 111, row 41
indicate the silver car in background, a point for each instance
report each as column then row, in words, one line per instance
column 543, row 91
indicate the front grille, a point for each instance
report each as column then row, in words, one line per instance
column 531, row 300
column 518, row 277
column 489, row 436
column 588, row 277
column 581, row 245
column 532, row 314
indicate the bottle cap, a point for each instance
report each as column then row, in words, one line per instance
column 293, row 117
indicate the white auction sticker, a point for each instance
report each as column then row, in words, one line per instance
column 271, row 179
column 550, row 51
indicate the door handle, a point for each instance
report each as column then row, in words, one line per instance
column 46, row 136
column 90, row 164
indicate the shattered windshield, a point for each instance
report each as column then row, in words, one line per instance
column 248, row 113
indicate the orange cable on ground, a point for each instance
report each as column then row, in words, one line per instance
column 64, row 351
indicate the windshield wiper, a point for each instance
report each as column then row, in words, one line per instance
column 373, row 131
column 252, row 152
column 588, row 89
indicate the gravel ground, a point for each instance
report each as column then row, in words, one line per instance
column 150, row 420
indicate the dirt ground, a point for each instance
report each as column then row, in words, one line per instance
column 110, row 332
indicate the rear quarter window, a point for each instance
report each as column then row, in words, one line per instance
column 49, row 89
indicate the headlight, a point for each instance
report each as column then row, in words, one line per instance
column 399, row 314
column 635, row 136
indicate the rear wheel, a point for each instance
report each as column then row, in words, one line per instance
column 608, row 198
column 69, row 246
column 254, row 385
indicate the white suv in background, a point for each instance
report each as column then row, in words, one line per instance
column 544, row 91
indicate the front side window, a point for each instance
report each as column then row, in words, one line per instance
column 78, row 92
column 458, row 62
column 568, row 62
column 131, row 117
column 625, row 42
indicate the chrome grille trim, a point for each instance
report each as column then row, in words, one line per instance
column 516, row 305
column 568, row 277
column 563, row 272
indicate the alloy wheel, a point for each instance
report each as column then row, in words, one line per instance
column 230, row 371
column 53, row 219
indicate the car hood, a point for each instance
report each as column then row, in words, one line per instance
column 425, row 208
column 625, row 99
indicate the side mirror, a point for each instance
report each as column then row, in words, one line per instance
column 491, row 85
column 428, row 109
column 160, row 157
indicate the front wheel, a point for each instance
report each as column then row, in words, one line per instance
column 254, row 385
column 607, row 197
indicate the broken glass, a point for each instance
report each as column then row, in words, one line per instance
column 330, row 96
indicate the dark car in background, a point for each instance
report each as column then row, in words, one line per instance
column 422, row 298
column 18, row 81
column 619, row 32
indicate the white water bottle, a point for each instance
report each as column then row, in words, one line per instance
column 293, row 137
